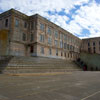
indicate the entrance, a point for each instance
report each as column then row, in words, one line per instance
column 31, row 49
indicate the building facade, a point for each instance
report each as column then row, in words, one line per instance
column 91, row 45
column 22, row 35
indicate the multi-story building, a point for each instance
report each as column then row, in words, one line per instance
column 22, row 35
column 91, row 45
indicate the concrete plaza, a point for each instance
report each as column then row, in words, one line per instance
column 77, row 85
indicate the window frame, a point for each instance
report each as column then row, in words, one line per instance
column 49, row 31
column 24, row 38
column 56, row 43
column 42, row 38
column 25, row 24
column 16, row 23
column 61, row 44
column 56, row 34
column 42, row 50
column 61, row 36
column 6, row 22
column 49, row 40
column 65, row 45
column 56, row 52
column 42, row 26
column 32, row 37
column 50, row 51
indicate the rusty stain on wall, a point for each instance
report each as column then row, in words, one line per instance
column 3, row 41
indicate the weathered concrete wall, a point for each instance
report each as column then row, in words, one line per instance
column 17, row 49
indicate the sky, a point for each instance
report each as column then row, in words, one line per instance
column 80, row 17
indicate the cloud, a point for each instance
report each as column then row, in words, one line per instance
column 33, row 6
column 87, row 17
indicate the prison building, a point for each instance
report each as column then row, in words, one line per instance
column 22, row 35
column 91, row 45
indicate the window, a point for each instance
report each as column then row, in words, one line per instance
column 42, row 50
column 72, row 48
column 56, row 34
column 25, row 25
column 49, row 31
column 49, row 41
column 68, row 55
column 61, row 36
column 72, row 40
column 99, row 42
column 65, row 37
column 93, row 43
column 56, row 43
column 6, row 23
column 61, row 54
column 88, row 44
column 24, row 37
column 65, row 45
column 56, row 52
column 31, row 49
column 32, row 25
column 42, row 26
column 32, row 37
column 68, row 46
column 50, row 51
column 61, row 44
column 65, row 54
column 16, row 22
column 41, row 38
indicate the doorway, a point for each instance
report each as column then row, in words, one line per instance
column 31, row 49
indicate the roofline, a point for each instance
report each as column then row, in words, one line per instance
column 90, row 38
column 57, row 25
column 14, row 11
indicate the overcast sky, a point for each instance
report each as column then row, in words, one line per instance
column 80, row 17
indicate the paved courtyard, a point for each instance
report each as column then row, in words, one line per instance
column 65, row 86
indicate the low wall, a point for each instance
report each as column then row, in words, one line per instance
column 91, row 60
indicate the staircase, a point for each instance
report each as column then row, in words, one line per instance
column 36, row 65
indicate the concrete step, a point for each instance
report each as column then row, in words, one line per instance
column 38, row 70
column 36, row 64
